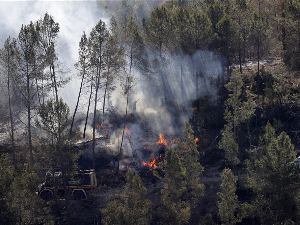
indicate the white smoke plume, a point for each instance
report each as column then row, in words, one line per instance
column 163, row 105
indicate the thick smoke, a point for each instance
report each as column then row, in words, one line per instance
column 169, row 95
column 162, row 99
column 166, row 96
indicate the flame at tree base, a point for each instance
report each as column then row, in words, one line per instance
column 152, row 162
column 161, row 140
column 101, row 127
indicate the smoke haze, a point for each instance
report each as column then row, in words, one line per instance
column 165, row 98
column 74, row 17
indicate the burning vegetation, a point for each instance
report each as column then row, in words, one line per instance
column 145, row 96
column 153, row 162
column 101, row 128
column 162, row 140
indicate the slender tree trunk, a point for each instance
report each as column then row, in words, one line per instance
column 123, row 132
column 160, row 49
column 37, row 90
column 258, row 55
column 88, row 109
column 197, row 90
column 57, row 101
column 95, row 117
column 181, row 77
column 12, row 132
column 126, row 110
column 43, row 94
column 77, row 103
column 283, row 31
column 258, row 41
column 240, row 50
column 29, row 115
column 104, row 102
column 105, row 91
column 95, row 106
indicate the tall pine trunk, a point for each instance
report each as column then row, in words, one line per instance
column 29, row 115
column 88, row 109
column 57, row 101
column 95, row 107
column 77, row 103
column 126, row 110
column 10, row 110
column 105, row 91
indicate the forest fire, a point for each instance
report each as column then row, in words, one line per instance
column 152, row 163
column 161, row 140
column 127, row 130
column 196, row 140
column 101, row 127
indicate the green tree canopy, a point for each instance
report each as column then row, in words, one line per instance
column 173, row 210
column 132, row 208
column 274, row 179
column 228, row 202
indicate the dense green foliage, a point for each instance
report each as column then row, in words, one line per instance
column 274, row 179
column 132, row 208
column 228, row 201
column 250, row 123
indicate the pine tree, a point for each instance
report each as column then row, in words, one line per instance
column 99, row 37
column 28, row 70
column 158, row 30
column 215, row 11
column 189, row 157
column 274, row 179
column 201, row 30
column 228, row 202
column 230, row 146
column 182, row 31
column 291, row 34
column 260, row 31
column 173, row 210
column 135, row 56
column 27, row 207
column 241, row 14
column 48, row 31
column 82, row 66
column 132, row 208
column 114, row 61
column 8, row 62
column 227, row 29
column 236, row 112
column 57, row 143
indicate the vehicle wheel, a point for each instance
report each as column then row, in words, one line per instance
column 79, row 195
column 46, row 195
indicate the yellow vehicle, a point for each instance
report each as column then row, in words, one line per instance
column 77, row 185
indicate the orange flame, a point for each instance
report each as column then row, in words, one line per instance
column 196, row 140
column 101, row 127
column 152, row 162
column 146, row 147
column 127, row 130
column 161, row 140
